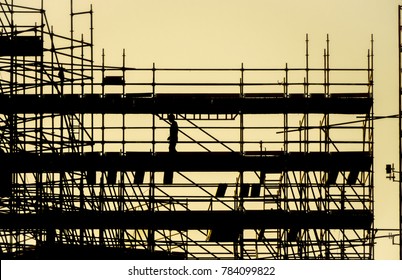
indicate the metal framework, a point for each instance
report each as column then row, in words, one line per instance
column 271, row 163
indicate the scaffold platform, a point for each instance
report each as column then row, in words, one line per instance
column 230, row 221
column 185, row 103
column 186, row 161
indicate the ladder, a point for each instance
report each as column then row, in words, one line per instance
column 272, row 189
column 74, row 128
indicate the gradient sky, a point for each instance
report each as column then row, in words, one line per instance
column 267, row 34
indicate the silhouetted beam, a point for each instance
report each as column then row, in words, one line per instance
column 186, row 161
column 181, row 103
column 183, row 220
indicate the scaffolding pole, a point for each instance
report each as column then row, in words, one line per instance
column 400, row 126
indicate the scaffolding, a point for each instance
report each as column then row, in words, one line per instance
column 272, row 163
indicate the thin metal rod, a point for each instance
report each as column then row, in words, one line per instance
column 92, row 50
column 72, row 44
column 400, row 125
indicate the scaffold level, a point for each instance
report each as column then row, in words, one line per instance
column 273, row 163
column 186, row 161
column 193, row 220
column 186, row 104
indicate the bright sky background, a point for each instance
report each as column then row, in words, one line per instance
column 267, row 34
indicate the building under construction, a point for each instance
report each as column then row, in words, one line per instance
column 270, row 163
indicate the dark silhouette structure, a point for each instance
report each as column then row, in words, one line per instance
column 174, row 131
column 268, row 170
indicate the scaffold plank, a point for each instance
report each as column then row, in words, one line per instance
column 181, row 103
column 186, row 220
column 186, row 161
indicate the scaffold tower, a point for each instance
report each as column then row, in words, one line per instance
column 273, row 163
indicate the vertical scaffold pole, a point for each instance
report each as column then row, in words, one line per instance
column 400, row 131
column 151, row 232
column 327, row 142
column 72, row 43
column 371, row 138
column 92, row 49
column 241, row 241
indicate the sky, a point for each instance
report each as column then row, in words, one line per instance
column 268, row 34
